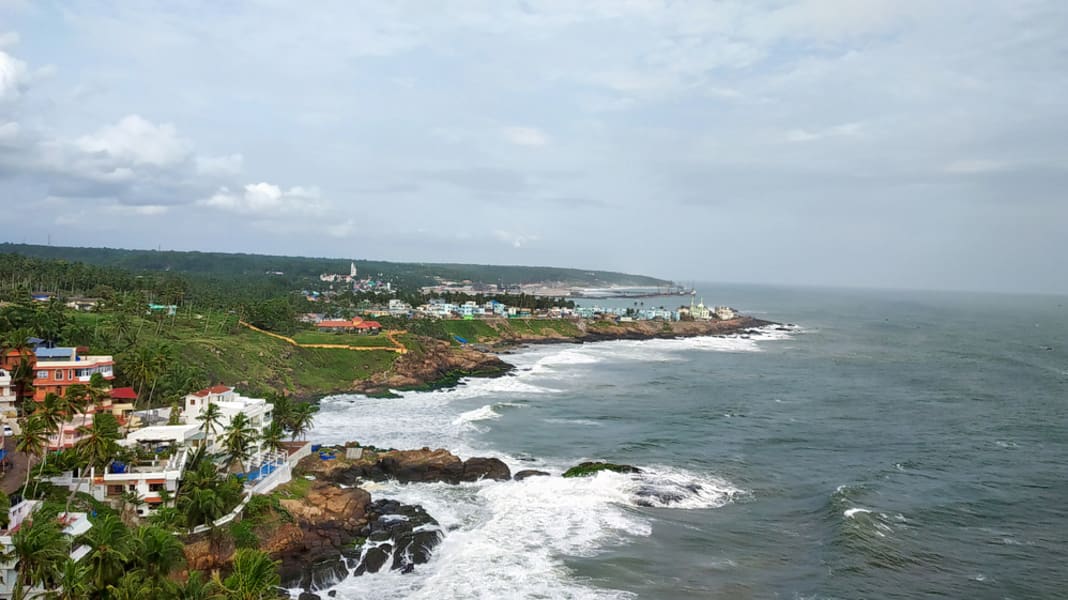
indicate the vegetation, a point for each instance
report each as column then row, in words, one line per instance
column 213, row 266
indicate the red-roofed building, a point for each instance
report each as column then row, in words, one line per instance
column 338, row 325
column 124, row 394
column 370, row 327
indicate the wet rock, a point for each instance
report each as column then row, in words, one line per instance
column 308, row 596
column 418, row 466
column 485, row 468
column 521, row 475
column 412, row 535
column 590, row 468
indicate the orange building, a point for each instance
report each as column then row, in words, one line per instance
column 59, row 368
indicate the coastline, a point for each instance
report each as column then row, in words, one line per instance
column 437, row 364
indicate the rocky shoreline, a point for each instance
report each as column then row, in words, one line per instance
column 326, row 528
column 438, row 364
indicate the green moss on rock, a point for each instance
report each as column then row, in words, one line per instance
column 589, row 468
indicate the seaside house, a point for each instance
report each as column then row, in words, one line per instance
column 353, row 325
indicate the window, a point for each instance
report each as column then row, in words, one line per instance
column 133, row 487
column 42, row 374
column 114, row 490
column 58, row 374
column 155, row 487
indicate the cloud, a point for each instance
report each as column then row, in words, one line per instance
column 136, row 141
column 9, row 133
column 516, row 240
column 267, row 201
column 9, row 38
column 806, row 135
column 13, row 77
column 525, row 136
column 975, row 166
column 220, row 165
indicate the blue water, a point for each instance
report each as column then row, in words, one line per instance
column 896, row 445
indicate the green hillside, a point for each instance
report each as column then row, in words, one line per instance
column 405, row 275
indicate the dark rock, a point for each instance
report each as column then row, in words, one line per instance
column 521, row 475
column 485, row 468
column 412, row 535
column 374, row 559
column 590, row 468
column 308, row 596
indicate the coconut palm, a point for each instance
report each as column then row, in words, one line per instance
column 129, row 502
column 273, row 437
column 72, row 583
column 255, row 577
column 111, row 547
column 196, row 588
column 303, row 418
column 33, row 442
column 96, row 448
column 159, row 552
column 40, row 549
column 132, row 586
column 240, row 435
column 210, row 419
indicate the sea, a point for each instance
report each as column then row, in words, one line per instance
column 889, row 444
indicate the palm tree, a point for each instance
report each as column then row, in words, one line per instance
column 40, row 548
column 283, row 409
column 240, row 435
column 303, row 418
column 131, row 586
column 129, row 500
column 32, row 441
column 51, row 412
column 96, row 448
column 255, row 577
column 195, row 588
column 159, row 552
column 273, row 437
column 72, row 582
column 210, row 420
column 111, row 547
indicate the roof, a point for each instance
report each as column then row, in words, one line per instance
column 215, row 389
column 55, row 352
column 368, row 325
column 355, row 322
column 123, row 393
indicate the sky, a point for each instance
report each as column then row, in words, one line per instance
column 870, row 143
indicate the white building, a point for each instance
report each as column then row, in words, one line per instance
column 230, row 403
column 725, row 313
column 75, row 524
column 7, row 394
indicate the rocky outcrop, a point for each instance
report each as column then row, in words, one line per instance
column 434, row 364
column 408, row 466
column 398, row 538
column 590, row 468
column 325, row 522
column 521, row 475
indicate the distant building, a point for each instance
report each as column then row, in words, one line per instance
column 725, row 313
column 354, row 325
column 82, row 304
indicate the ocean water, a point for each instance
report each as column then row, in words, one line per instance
column 893, row 445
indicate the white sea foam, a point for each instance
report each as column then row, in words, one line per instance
column 510, row 539
column 852, row 512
